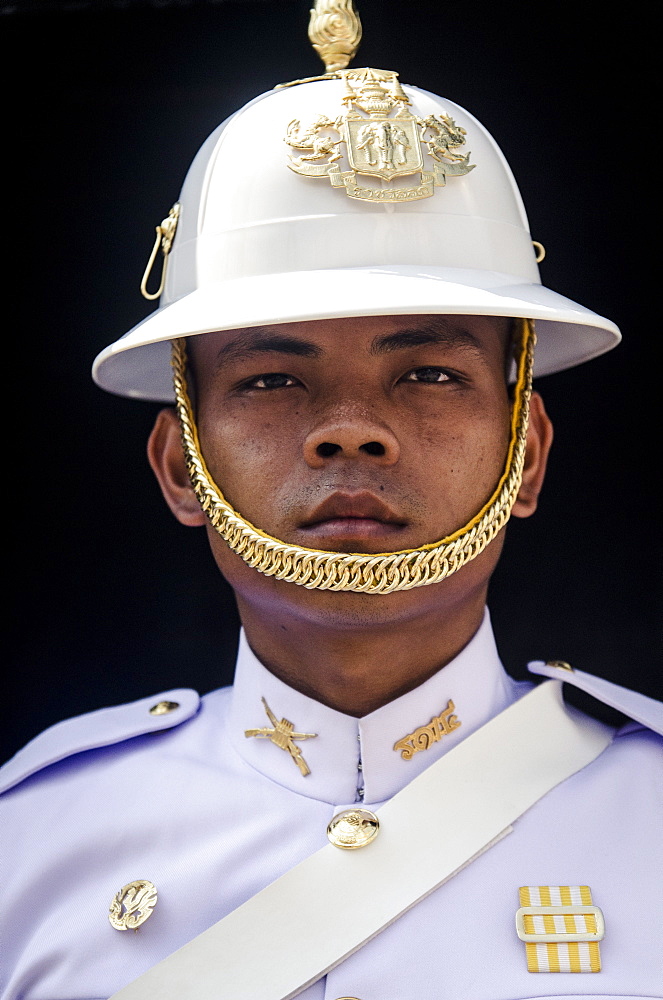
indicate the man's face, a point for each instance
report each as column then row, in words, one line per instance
column 355, row 435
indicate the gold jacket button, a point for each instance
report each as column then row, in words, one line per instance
column 164, row 707
column 560, row 664
column 353, row 828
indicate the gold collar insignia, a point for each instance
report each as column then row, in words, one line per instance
column 282, row 734
column 425, row 736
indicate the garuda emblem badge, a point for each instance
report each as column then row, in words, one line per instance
column 133, row 905
column 382, row 138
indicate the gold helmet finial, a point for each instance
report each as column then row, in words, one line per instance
column 335, row 32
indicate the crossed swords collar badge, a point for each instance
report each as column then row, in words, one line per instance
column 282, row 734
column 382, row 139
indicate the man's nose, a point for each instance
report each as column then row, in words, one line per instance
column 352, row 435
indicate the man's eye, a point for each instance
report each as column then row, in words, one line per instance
column 275, row 380
column 428, row 375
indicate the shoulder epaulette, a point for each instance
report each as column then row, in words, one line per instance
column 98, row 729
column 639, row 707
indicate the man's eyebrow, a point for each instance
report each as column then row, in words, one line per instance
column 260, row 341
column 421, row 335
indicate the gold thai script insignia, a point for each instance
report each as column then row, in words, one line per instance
column 282, row 734
column 382, row 139
column 425, row 736
column 132, row 905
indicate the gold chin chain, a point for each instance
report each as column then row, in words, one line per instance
column 386, row 572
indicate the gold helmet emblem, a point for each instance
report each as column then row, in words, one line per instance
column 380, row 136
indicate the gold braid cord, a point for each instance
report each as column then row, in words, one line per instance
column 386, row 572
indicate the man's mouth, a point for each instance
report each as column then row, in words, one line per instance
column 353, row 515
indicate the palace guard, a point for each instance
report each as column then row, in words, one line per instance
column 350, row 319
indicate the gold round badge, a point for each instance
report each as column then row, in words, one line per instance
column 353, row 828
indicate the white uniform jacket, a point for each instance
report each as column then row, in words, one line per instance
column 187, row 801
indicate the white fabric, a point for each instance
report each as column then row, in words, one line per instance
column 474, row 681
column 189, row 809
column 97, row 729
column 637, row 706
column 344, row 899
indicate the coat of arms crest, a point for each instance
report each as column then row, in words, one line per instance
column 382, row 138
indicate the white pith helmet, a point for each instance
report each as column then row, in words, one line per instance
column 258, row 243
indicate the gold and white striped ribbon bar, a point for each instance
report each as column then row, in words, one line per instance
column 561, row 928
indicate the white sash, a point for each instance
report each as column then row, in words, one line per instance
column 308, row 921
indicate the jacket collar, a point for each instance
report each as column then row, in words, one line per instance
column 354, row 760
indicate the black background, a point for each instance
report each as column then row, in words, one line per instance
column 110, row 599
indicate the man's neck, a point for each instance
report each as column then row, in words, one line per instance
column 358, row 670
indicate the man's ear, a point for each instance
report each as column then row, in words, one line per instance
column 164, row 450
column 539, row 440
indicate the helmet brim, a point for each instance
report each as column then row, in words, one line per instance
column 138, row 365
